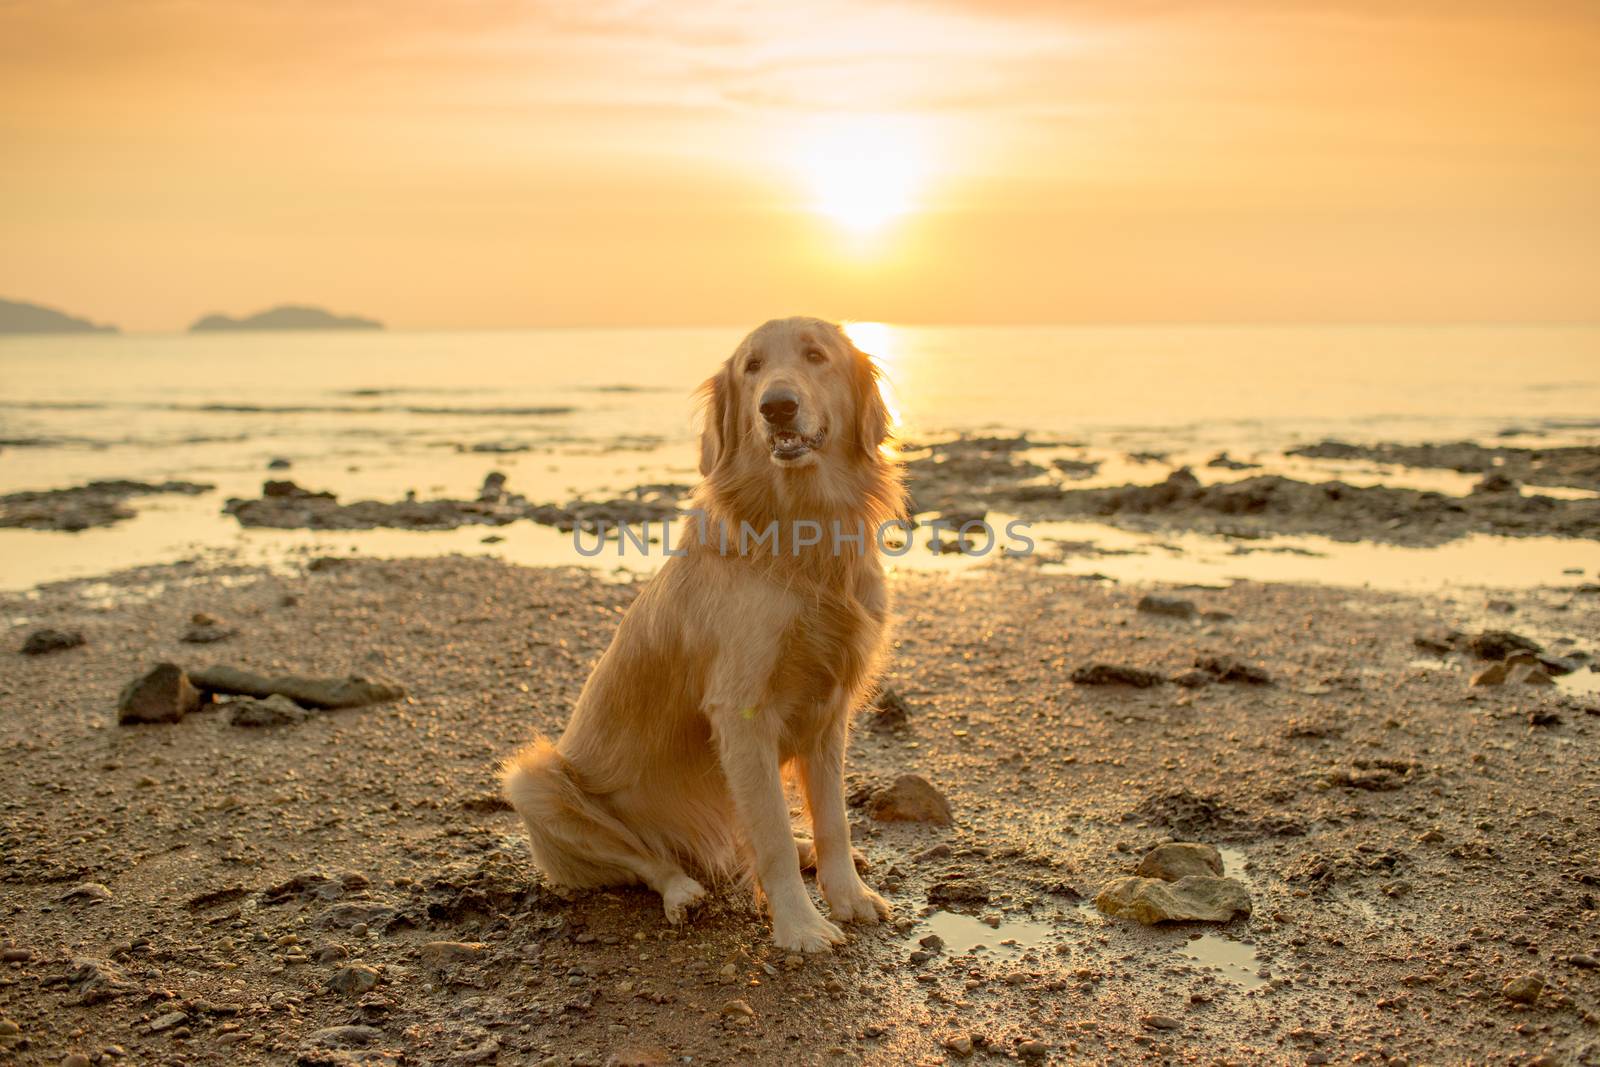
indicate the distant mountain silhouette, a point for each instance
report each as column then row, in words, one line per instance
column 18, row 317
column 287, row 317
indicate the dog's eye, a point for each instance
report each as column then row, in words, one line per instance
column 814, row 356
column 752, row 366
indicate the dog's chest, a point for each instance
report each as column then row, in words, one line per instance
column 831, row 645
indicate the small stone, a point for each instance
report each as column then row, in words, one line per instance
column 446, row 953
column 275, row 710
column 1583, row 960
column 1524, row 989
column 206, row 629
column 41, row 642
column 167, row 1021
column 1178, row 859
column 344, row 1036
column 1190, row 899
column 353, row 980
column 911, row 799
column 90, row 891
column 161, row 694
column 1032, row 1050
column 15, row 954
column 960, row 1045
column 1171, row 606
column 1116, row 674
column 75, row 1059
column 738, row 1007
column 1159, row 1022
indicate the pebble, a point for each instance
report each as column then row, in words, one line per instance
column 1159, row 1022
column 206, row 629
column 960, row 1045
column 1524, row 989
column 911, row 798
column 353, row 980
column 167, row 1021
column 444, row 953
column 275, row 710
column 1583, row 960
column 15, row 954
column 738, row 1007
column 74, row 1059
column 91, row 891
column 1174, row 607
column 42, row 642
column 344, row 1036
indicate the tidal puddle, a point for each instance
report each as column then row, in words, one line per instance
column 963, row 933
column 1233, row 962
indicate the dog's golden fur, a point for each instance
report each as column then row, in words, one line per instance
column 736, row 660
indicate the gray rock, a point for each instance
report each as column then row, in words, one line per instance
column 161, row 694
column 275, row 710
column 343, row 1036
column 1190, row 899
column 354, row 691
column 353, row 980
column 1179, row 859
column 47, row 640
column 206, row 629
column 167, row 1021
column 1174, row 607
column 1116, row 674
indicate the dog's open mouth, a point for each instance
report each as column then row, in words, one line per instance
column 789, row 445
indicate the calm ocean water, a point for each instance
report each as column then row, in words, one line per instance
column 570, row 412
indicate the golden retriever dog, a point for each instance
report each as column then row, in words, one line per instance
column 743, row 656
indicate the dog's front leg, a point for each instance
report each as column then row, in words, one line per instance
column 748, row 747
column 822, row 774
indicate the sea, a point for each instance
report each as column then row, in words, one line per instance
column 590, row 413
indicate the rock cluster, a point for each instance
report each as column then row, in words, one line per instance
column 1176, row 882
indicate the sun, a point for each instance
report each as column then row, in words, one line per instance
column 864, row 171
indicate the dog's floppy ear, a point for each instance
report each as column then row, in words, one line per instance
column 872, row 414
column 719, row 416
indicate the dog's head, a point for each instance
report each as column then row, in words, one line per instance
column 796, row 392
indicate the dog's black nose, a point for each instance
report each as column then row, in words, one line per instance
column 778, row 406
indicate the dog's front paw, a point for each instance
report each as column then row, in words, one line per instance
column 681, row 894
column 806, row 933
column 856, row 903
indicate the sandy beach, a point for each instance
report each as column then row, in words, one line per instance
column 202, row 892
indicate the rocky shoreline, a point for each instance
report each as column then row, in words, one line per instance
column 335, row 886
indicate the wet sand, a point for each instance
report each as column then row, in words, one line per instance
column 1411, row 844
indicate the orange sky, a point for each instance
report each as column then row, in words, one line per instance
column 494, row 163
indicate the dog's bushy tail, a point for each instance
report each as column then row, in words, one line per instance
column 575, row 840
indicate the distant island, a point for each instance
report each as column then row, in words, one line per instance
column 287, row 317
column 19, row 317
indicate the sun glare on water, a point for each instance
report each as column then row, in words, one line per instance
column 864, row 172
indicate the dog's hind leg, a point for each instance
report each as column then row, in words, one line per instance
column 578, row 843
